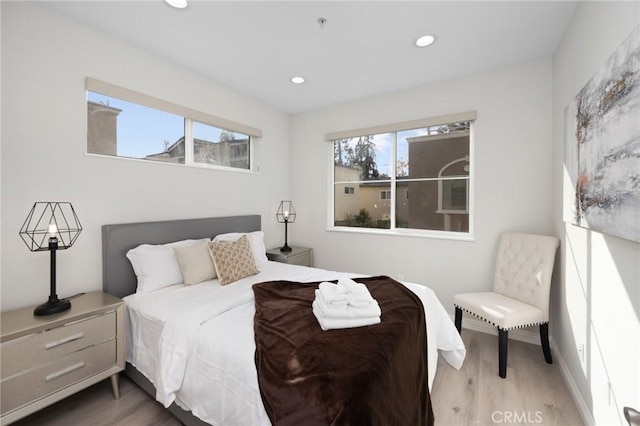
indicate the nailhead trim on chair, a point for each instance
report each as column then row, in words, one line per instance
column 497, row 326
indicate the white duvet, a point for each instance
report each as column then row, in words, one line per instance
column 196, row 343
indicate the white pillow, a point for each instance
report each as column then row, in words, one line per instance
column 256, row 238
column 195, row 263
column 156, row 266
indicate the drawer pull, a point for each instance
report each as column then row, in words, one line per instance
column 64, row 340
column 62, row 372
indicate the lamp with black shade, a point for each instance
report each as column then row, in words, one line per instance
column 51, row 226
column 286, row 214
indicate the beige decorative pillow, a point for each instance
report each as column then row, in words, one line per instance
column 233, row 260
column 156, row 266
column 195, row 263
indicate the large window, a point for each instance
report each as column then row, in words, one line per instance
column 127, row 124
column 431, row 162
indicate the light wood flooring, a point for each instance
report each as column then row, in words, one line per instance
column 533, row 393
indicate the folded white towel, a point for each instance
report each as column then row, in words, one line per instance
column 334, row 294
column 347, row 311
column 359, row 295
column 353, row 287
column 334, row 323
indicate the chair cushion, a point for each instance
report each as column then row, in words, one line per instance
column 501, row 311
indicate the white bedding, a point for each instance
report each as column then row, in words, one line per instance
column 196, row 343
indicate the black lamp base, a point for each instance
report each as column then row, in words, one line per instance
column 53, row 306
column 285, row 249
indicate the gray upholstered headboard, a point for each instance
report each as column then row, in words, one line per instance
column 118, row 278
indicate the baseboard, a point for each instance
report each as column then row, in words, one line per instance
column 571, row 384
column 528, row 336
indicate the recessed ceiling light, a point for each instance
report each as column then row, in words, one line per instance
column 425, row 40
column 297, row 80
column 178, row 4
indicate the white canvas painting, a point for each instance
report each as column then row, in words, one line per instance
column 602, row 146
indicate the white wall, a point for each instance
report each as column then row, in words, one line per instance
column 597, row 305
column 45, row 60
column 512, row 177
column 518, row 179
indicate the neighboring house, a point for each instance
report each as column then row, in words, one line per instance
column 346, row 195
column 232, row 153
column 444, row 203
column 102, row 128
column 440, row 202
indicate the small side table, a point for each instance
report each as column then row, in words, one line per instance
column 302, row 256
column 48, row 358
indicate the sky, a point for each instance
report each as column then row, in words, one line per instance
column 384, row 148
column 142, row 131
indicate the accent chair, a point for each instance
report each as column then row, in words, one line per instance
column 520, row 296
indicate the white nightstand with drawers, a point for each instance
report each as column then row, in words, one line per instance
column 47, row 358
column 297, row 256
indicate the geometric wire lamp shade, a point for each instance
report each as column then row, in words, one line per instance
column 286, row 214
column 40, row 222
column 51, row 226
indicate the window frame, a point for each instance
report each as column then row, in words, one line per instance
column 189, row 115
column 393, row 230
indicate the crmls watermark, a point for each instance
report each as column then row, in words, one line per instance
column 517, row 417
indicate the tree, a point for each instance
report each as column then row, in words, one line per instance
column 363, row 219
column 342, row 152
column 226, row 136
column 364, row 157
column 402, row 168
column 453, row 127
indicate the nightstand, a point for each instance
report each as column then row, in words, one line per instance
column 47, row 358
column 297, row 256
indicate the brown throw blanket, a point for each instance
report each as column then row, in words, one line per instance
column 372, row 375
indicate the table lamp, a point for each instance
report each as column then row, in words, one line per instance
column 51, row 226
column 286, row 214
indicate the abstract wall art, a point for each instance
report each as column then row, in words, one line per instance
column 602, row 147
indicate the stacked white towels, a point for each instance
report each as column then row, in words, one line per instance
column 346, row 304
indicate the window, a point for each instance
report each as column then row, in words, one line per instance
column 356, row 165
column 123, row 123
column 349, row 190
column 124, row 129
column 432, row 161
column 215, row 146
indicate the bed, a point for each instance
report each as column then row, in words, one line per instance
column 207, row 374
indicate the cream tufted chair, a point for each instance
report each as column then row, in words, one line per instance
column 520, row 296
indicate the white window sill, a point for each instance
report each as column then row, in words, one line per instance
column 193, row 166
column 442, row 235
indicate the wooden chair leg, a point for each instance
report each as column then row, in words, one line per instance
column 503, row 341
column 459, row 320
column 544, row 340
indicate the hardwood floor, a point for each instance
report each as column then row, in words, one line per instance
column 533, row 393
column 95, row 406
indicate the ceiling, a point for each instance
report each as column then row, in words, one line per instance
column 365, row 48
